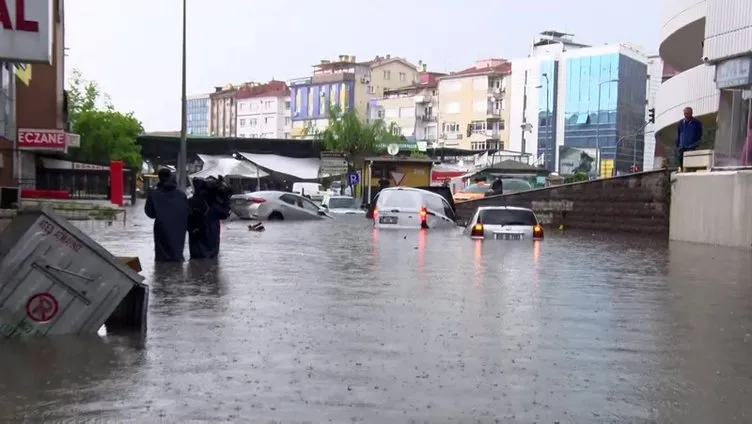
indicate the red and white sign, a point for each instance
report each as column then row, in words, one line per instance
column 26, row 31
column 53, row 140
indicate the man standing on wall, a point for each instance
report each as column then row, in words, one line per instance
column 688, row 135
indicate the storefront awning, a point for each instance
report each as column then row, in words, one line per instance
column 227, row 166
column 303, row 168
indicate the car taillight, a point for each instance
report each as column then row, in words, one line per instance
column 538, row 232
column 477, row 231
column 256, row 200
column 376, row 212
column 423, row 217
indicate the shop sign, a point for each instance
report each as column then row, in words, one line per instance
column 26, row 31
column 50, row 140
column 734, row 73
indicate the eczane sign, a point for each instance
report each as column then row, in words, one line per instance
column 26, row 31
column 51, row 140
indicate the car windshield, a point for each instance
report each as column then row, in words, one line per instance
column 399, row 199
column 507, row 217
column 476, row 188
column 515, row 185
column 343, row 203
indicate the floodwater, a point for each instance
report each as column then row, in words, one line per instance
column 333, row 321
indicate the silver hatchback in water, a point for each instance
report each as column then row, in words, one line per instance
column 504, row 223
column 276, row 206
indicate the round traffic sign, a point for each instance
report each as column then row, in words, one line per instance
column 42, row 307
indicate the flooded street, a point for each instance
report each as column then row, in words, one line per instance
column 332, row 321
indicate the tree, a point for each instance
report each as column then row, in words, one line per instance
column 348, row 134
column 106, row 134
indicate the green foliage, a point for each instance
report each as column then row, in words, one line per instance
column 106, row 134
column 348, row 134
column 577, row 177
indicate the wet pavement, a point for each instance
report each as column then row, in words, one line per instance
column 332, row 321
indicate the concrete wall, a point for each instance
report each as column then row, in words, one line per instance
column 637, row 203
column 713, row 208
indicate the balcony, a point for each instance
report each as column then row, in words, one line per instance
column 428, row 118
column 496, row 92
column 494, row 114
column 424, row 98
column 493, row 134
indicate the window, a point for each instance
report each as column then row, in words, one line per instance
column 402, row 77
column 242, row 122
column 452, row 108
column 476, row 188
column 242, row 106
column 507, row 217
column 478, row 145
column 387, row 75
column 450, row 127
column 308, row 205
column 266, row 120
column 400, row 199
column 478, row 127
column 371, row 89
column 287, row 135
column 289, row 199
column 287, row 105
column 267, row 104
column 254, row 107
column 253, row 122
column 450, row 86
column 287, row 120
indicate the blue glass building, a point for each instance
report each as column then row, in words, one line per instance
column 604, row 108
column 198, row 115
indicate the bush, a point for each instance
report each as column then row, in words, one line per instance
column 576, row 178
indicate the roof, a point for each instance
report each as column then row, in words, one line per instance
column 398, row 159
column 272, row 88
column 512, row 165
column 490, row 208
column 428, row 81
column 501, row 69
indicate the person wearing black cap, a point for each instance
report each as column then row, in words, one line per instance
column 169, row 209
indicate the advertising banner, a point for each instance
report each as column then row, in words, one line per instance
column 26, row 31
column 573, row 160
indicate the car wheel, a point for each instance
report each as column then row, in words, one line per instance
column 276, row 216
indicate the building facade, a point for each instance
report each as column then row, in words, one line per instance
column 474, row 110
column 655, row 79
column 586, row 104
column 223, row 111
column 413, row 109
column 709, row 43
column 346, row 84
column 199, row 107
column 264, row 110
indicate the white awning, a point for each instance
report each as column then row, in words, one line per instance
column 303, row 168
column 227, row 166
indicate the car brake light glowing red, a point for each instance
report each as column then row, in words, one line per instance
column 477, row 231
column 256, row 200
column 375, row 212
column 423, row 215
column 538, row 232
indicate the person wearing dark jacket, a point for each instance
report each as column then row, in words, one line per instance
column 168, row 207
column 208, row 207
column 688, row 135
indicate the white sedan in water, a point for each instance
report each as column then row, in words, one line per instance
column 504, row 223
column 342, row 205
column 276, row 206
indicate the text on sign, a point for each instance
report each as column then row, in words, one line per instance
column 62, row 236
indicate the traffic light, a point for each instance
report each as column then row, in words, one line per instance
column 651, row 116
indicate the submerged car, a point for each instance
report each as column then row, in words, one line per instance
column 504, row 223
column 276, row 206
column 472, row 192
column 411, row 208
column 342, row 205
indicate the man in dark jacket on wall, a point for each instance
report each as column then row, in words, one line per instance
column 688, row 135
column 209, row 205
column 168, row 207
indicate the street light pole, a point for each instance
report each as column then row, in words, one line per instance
column 598, row 130
column 548, row 122
column 183, row 156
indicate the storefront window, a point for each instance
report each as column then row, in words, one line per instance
column 733, row 137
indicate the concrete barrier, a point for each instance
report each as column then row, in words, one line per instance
column 712, row 208
column 637, row 203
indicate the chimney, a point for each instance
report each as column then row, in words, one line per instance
column 388, row 57
column 425, row 68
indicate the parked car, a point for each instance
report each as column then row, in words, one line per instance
column 342, row 205
column 313, row 191
column 504, row 223
column 472, row 192
column 276, row 206
column 411, row 208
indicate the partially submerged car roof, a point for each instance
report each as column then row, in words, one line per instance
column 442, row 191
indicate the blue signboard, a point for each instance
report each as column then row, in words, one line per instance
column 353, row 178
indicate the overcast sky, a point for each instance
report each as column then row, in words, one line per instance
column 132, row 47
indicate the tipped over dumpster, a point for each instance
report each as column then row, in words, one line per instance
column 55, row 280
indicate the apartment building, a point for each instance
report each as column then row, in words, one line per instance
column 473, row 106
column 413, row 109
column 223, row 118
column 198, row 117
column 347, row 84
column 568, row 96
column 263, row 110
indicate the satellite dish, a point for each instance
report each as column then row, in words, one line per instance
column 392, row 149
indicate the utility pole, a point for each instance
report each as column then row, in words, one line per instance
column 183, row 156
column 524, row 115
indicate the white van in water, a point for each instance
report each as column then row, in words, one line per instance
column 412, row 208
column 313, row 191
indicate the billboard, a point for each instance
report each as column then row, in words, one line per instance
column 26, row 31
column 574, row 159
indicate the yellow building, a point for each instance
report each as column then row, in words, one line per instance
column 347, row 84
column 413, row 109
column 474, row 106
